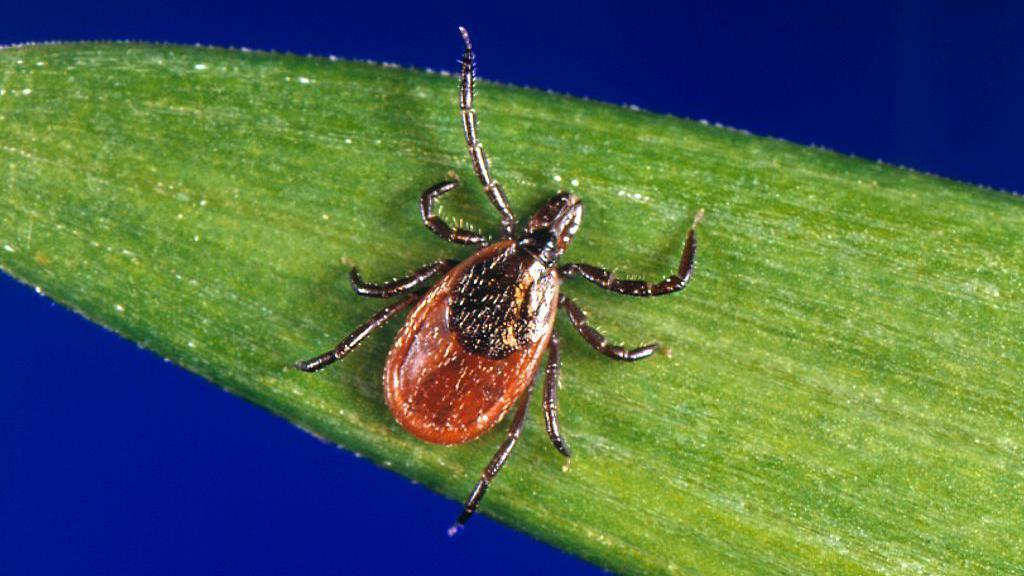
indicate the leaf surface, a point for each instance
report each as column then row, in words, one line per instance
column 841, row 385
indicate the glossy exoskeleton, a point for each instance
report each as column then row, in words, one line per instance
column 474, row 341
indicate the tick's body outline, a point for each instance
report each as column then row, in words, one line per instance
column 473, row 343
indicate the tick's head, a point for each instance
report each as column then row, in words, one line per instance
column 552, row 228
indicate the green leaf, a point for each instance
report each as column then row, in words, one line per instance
column 841, row 390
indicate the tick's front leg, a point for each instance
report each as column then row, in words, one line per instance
column 482, row 167
column 674, row 283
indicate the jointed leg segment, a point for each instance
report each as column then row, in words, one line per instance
column 596, row 339
column 399, row 285
column 481, row 165
column 436, row 224
column 674, row 283
column 496, row 464
column 356, row 338
column 551, row 372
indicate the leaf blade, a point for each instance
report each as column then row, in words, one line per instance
column 843, row 384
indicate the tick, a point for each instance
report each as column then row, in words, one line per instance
column 473, row 342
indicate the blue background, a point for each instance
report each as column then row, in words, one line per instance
column 137, row 467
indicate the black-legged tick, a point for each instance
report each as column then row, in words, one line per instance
column 474, row 341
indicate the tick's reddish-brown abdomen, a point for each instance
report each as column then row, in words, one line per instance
column 442, row 393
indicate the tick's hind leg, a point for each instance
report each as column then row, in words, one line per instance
column 596, row 339
column 496, row 464
column 551, row 372
column 436, row 224
column 399, row 285
column 356, row 338
column 674, row 283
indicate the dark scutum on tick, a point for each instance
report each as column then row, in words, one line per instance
column 472, row 345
